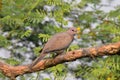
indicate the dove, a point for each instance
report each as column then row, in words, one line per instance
column 58, row 43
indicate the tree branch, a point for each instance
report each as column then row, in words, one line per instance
column 13, row 71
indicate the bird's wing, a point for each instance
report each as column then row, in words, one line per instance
column 59, row 41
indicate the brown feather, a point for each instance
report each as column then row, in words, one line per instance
column 57, row 43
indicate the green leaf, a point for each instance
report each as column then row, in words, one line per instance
column 3, row 41
column 12, row 61
column 46, row 79
column 37, row 50
column 26, row 34
column 44, row 37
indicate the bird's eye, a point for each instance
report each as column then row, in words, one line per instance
column 72, row 30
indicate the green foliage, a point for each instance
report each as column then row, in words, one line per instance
column 26, row 34
column 3, row 41
column 83, row 3
column 108, row 31
column 24, row 13
column 44, row 37
column 81, row 70
column 37, row 50
column 115, row 13
column 16, row 15
column 101, row 70
column 110, row 68
column 59, row 71
column 36, row 17
column 88, row 17
column 46, row 79
column 12, row 61
column 92, row 1
column 2, row 76
column 73, row 47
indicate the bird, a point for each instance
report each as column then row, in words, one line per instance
column 58, row 43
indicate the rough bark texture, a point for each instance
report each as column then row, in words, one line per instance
column 13, row 71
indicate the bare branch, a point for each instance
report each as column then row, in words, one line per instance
column 13, row 71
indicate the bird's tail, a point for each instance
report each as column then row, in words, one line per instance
column 42, row 55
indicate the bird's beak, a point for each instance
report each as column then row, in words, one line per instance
column 78, row 32
column 78, row 29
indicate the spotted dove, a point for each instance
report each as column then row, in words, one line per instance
column 57, row 43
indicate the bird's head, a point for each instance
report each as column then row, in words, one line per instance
column 72, row 31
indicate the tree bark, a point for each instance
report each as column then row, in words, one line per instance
column 13, row 71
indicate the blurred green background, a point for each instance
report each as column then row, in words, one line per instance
column 25, row 25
